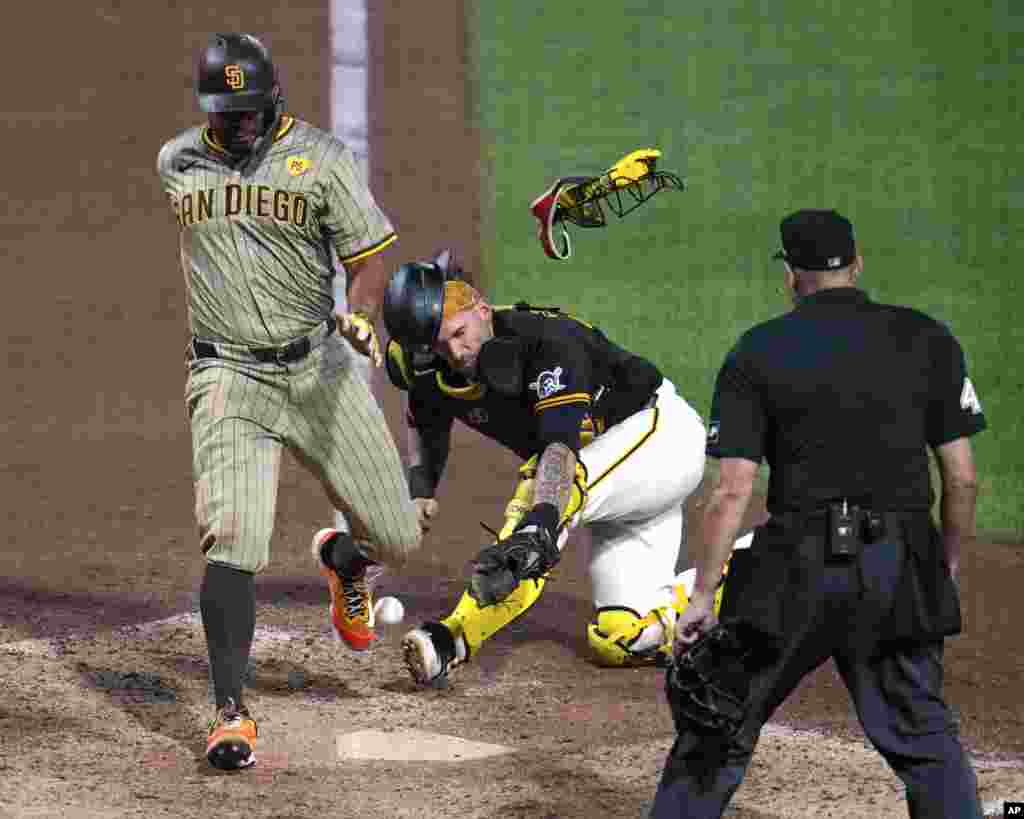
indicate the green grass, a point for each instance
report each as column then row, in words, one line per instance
column 905, row 116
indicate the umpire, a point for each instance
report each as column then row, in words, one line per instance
column 842, row 397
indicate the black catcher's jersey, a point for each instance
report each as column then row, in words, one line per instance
column 574, row 381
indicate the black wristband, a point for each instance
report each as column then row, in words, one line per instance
column 421, row 482
column 544, row 515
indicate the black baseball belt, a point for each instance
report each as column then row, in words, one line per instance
column 288, row 353
column 846, row 526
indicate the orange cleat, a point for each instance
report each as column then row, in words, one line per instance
column 351, row 599
column 231, row 739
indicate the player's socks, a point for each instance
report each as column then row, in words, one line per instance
column 227, row 600
column 346, row 556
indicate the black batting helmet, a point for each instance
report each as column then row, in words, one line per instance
column 414, row 300
column 414, row 304
column 235, row 73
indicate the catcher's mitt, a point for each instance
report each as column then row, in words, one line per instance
column 527, row 553
column 707, row 686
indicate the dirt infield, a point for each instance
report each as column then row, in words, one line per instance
column 103, row 708
column 102, row 661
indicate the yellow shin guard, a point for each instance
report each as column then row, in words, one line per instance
column 475, row 624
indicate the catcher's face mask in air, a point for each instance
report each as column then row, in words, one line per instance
column 625, row 186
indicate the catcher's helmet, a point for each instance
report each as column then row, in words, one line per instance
column 414, row 304
column 235, row 73
column 414, row 300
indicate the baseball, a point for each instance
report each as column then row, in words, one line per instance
column 389, row 610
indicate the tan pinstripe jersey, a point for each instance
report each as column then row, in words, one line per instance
column 256, row 237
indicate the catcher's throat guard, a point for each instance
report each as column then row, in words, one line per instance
column 626, row 185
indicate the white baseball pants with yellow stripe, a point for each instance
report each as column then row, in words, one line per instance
column 639, row 474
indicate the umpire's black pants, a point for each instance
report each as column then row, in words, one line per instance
column 898, row 697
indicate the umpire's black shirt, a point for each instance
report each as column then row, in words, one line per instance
column 841, row 396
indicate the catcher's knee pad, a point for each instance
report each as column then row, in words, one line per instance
column 621, row 637
column 476, row 624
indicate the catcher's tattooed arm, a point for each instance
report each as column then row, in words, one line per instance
column 555, row 472
column 552, row 488
column 531, row 550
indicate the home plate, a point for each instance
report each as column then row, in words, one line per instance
column 414, row 746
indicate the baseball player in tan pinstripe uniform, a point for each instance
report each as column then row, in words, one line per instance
column 261, row 199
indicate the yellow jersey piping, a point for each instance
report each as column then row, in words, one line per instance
column 363, row 254
column 571, row 398
column 628, row 452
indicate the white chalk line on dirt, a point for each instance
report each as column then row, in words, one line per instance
column 52, row 647
column 267, row 636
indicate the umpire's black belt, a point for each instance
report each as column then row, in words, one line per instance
column 285, row 354
column 815, row 521
column 844, row 527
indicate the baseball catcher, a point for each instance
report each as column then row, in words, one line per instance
column 624, row 187
column 592, row 423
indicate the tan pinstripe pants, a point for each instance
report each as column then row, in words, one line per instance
column 243, row 413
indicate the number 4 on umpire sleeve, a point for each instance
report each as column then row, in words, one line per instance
column 969, row 398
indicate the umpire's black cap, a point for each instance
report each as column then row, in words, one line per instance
column 817, row 240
